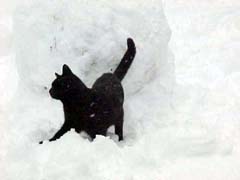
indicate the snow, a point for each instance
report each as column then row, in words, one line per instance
column 181, row 111
column 92, row 115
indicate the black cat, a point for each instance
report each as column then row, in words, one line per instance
column 93, row 110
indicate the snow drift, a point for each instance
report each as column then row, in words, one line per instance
column 89, row 36
column 196, row 136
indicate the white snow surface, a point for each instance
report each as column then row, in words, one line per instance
column 181, row 112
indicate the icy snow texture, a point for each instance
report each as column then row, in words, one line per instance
column 197, row 139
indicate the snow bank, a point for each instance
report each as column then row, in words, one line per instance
column 194, row 137
column 89, row 36
column 206, row 47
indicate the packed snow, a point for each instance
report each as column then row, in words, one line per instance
column 181, row 92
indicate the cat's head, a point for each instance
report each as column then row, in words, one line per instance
column 65, row 85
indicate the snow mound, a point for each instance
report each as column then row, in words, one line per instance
column 195, row 137
column 89, row 36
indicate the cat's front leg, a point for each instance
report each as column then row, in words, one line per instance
column 66, row 127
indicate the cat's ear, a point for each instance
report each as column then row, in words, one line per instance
column 66, row 70
column 57, row 75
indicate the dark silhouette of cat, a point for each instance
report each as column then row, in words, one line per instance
column 95, row 109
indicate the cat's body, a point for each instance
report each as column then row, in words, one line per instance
column 95, row 109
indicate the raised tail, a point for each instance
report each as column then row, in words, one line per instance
column 126, row 61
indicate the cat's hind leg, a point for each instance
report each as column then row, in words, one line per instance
column 119, row 126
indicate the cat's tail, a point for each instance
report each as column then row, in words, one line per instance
column 126, row 61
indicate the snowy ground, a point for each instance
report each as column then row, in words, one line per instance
column 184, row 130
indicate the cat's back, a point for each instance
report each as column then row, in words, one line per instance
column 110, row 86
